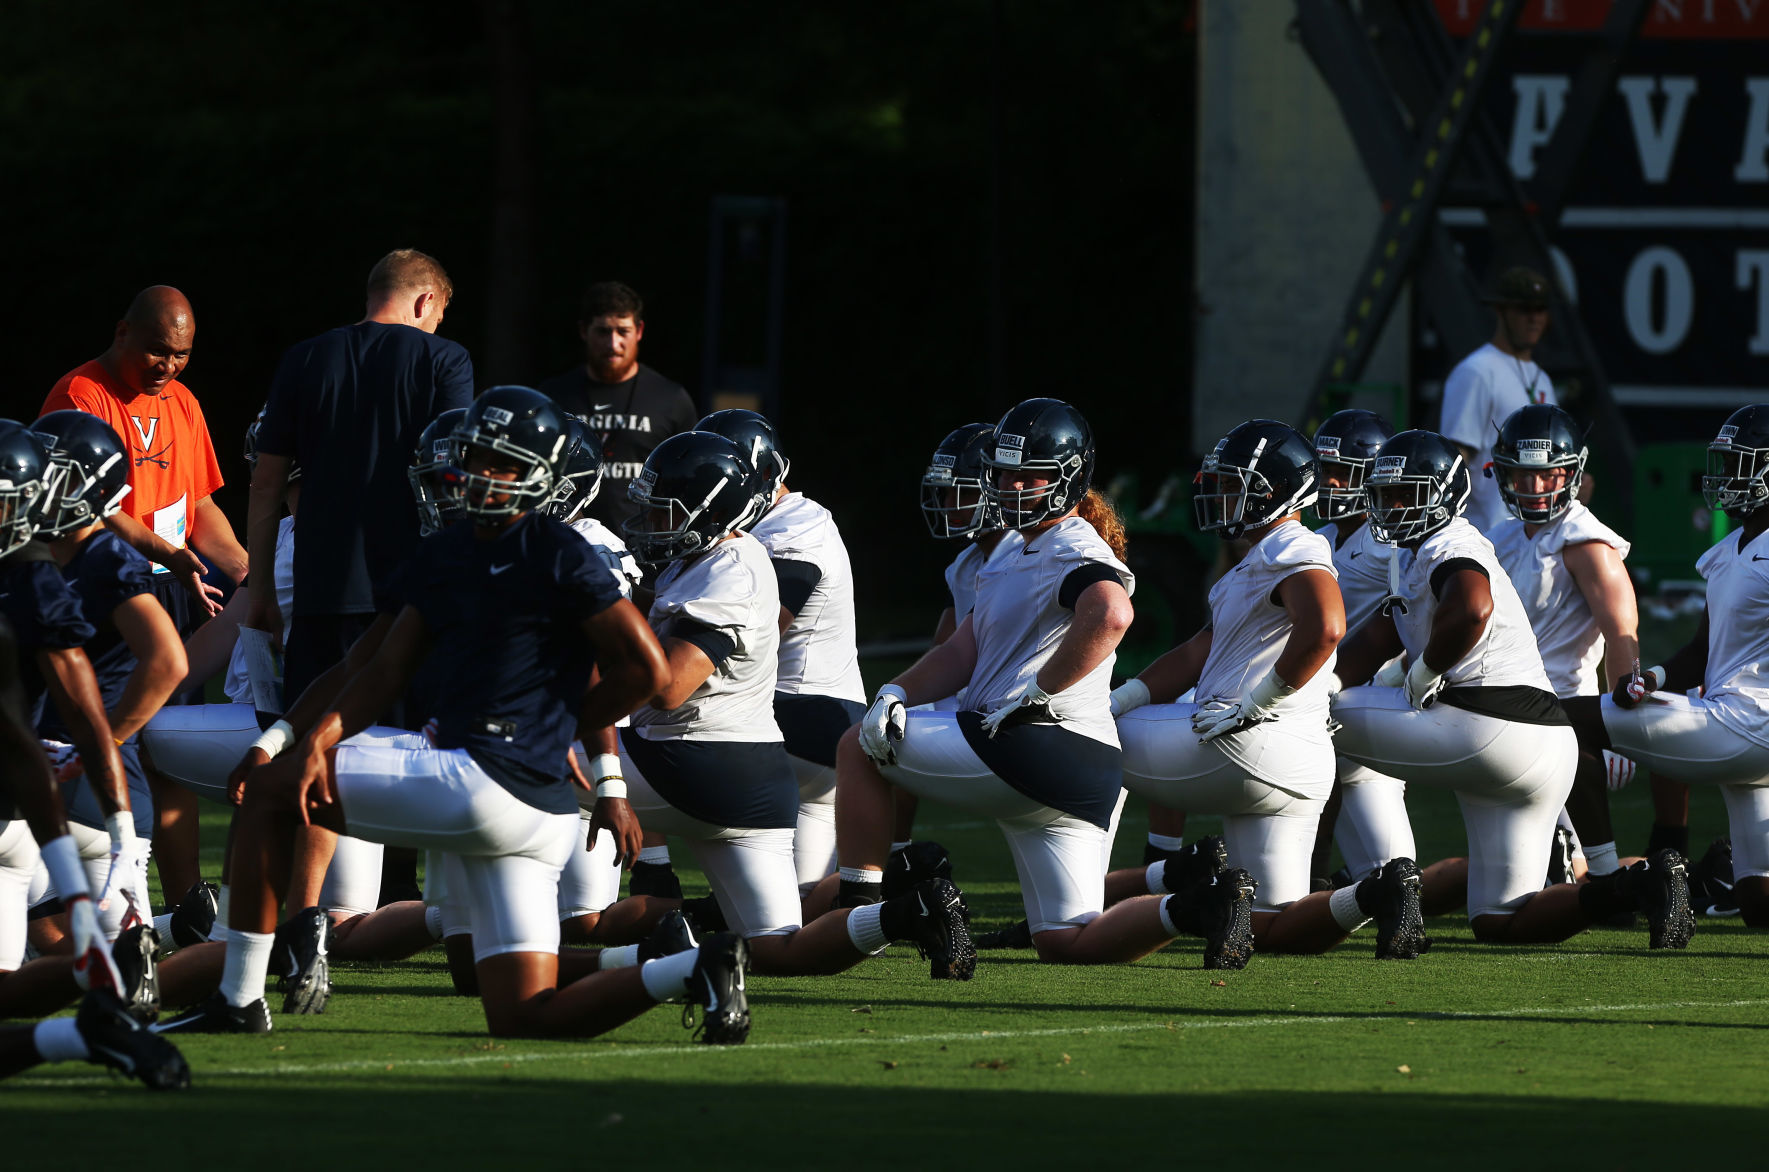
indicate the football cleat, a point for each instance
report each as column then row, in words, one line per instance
column 1659, row 887
column 671, row 935
column 1195, row 862
column 216, row 1016
column 194, row 917
column 137, row 952
column 1390, row 896
column 114, row 1038
column 655, row 879
column 716, row 986
column 1017, row 935
column 910, row 866
column 941, row 932
column 308, row 980
column 1710, row 881
column 1225, row 913
column 1560, row 859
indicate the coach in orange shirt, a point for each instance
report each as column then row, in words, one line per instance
column 134, row 387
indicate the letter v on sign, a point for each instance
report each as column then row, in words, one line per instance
column 1656, row 138
column 146, row 429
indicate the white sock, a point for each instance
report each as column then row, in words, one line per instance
column 861, row 875
column 897, row 846
column 621, row 956
column 1602, row 860
column 1156, row 877
column 433, row 922
column 1166, row 842
column 61, row 858
column 666, row 978
column 866, row 931
column 1166, row 920
column 59, row 1040
column 220, row 931
column 655, row 854
column 163, row 925
column 1343, row 904
column 242, row 973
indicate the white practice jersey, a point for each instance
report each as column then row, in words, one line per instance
column 613, row 552
column 817, row 652
column 1736, row 684
column 1481, row 393
column 961, row 579
column 1566, row 631
column 237, row 685
column 1505, row 655
column 1018, row 621
column 1249, row 626
column 729, row 588
column 1362, row 566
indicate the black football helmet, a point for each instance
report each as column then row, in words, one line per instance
column 759, row 441
column 580, row 477
column 1260, row 471
column 1738, row 463
column 1343, row 448
column 1043, row 436
column 695, row 487
column 1419, row 484
column 438, row 508
column 1538, row 439
column 28, row 481
column 952, row 498
column 252, row 445
column 519, row 424
column 93, row 471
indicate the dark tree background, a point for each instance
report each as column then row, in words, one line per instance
column 986, row 201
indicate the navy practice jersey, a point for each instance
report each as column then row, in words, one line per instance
column 508, row 662
column 106, row 573
column 44, row 611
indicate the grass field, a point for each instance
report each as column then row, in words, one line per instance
column 1596, row 1052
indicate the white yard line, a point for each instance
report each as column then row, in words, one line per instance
column 683, row 1050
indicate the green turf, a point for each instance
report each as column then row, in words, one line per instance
column 1596, row 1051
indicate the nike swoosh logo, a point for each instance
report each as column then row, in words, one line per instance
column 502, row 568
column 1757, row 557
column 1356, row 553
column 601, row 406
column 923, row 903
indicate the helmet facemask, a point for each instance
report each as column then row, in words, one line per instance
column 1407, row 507
column 1232, row 498
column 22, row 507
column 953, row 505
column 437, row 507
column 1022, row 508
column 1737, row 480
column 1346, row 499
column 489, row 498
column 79, row 498
column 1535, row 457
column 574, row 493
column 663, row 530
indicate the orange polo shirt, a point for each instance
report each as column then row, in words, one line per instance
column 172, row 463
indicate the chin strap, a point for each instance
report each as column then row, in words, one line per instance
column 1394, row 601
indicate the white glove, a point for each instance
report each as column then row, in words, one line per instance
column 93, row 966
column 1252, row 708
column 1032, row 696
column 1422, row 684
column 123, row 880
column 1619, row 769
column 1637, row 685
column 1128, row 697
column 1335, row 685
column 884, row 722
column 1391, row 674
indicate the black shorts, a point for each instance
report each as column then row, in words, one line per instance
column 743, row 784
column 813, row 725
column 1051, row 765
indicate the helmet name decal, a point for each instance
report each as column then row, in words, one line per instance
column 498, row 417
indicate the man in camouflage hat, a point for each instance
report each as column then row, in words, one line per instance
column 1496, row 380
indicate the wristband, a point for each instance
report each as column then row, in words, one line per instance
column 604, row 766
column 61, row 858
column 1658, row 676
column 121, row 826
column 892, row 690
column 275, row 739
column 611, row 787
column 1268, row 690
column 1130, row 695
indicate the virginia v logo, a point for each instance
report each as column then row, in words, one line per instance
column 145, row 428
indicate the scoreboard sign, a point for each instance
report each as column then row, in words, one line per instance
column 1664, row 242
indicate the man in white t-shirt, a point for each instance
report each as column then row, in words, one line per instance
column 1496, row 380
